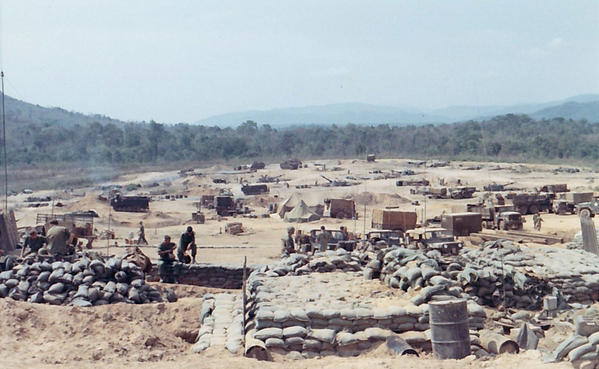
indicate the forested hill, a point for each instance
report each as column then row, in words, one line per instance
column 505, row 137
column 18, row 111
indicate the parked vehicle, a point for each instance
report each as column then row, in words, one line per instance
column 588, row 209
column 440, row 239
column 567, row 202
column 381, row 239
column 227, row 205
column 134, row 204
column 462, row 224
column 497, row 217
column 394, row 220
column 532, row 203
column 339, row 208
column 255, row 189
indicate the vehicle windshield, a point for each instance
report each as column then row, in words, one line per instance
column 440, row 235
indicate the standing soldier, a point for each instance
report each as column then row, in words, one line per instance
column 187, row 242
column 323, row 239
column 288, row 244
column 536, row 219
column 141, row 234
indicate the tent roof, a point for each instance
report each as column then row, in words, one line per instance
column 300, row 214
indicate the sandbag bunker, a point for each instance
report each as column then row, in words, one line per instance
column 340, row 314
column 501, row 273
column 85, row 282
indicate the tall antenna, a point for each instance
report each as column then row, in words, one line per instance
column 4, row 144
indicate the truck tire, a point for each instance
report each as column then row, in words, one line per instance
column 533, row 209
column 585, row 213
column 340, row 215
column 519, row 227
column 523, row 209
column 502, row 225
column 223, row 213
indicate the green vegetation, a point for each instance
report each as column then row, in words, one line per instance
column 508, row 137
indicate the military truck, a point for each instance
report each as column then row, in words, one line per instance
column 567, row 202
column 135, row 204
column 291, row 164
column 412, row 182
column 393, row 220
column 339, row 208
column 440, row 239
column 461, row 192
column 498, row 216
column 227, row 205
column 462, row 224
column 532, row 203
column 255, row 189
column 588, row 209
column 382, row 239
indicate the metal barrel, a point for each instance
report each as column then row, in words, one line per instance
column 449, row 329
column 400, row 347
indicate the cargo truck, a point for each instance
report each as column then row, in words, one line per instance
column 462, row 224
column 393, row 220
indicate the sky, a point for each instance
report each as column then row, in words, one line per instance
column 182, row 61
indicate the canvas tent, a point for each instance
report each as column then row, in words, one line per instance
column 301, row 214
column 290, row 203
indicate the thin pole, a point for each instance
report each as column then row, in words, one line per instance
column 4, row 144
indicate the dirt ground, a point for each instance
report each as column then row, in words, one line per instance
column 151, row 336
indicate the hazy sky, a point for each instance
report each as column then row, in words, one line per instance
column 180, row 61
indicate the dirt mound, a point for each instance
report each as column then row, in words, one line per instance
column 120, row 332
column 89, row 201
column 389, row 199
column 160, row 220
column 261, row 201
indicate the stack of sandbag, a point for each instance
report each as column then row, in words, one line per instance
column 221, row 323
column 581, row 346
column 314, row 314
column 534, row 272
column 320, row 262
column 83, row 283
column 498, row 274
column 576, row 243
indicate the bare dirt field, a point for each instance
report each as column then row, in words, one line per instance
column 155, row 335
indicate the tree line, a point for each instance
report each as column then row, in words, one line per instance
column 508, row 137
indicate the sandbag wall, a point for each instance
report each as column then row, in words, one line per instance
column 572, row 273
column 226, row 276
column 321, row 262
column 221, row 320
column 82, row 283
column 316, row 315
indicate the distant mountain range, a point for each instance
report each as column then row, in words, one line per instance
column 577, row 107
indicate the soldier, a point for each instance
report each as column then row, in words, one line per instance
column 536, row 219
column 169, row 269
column 33, row 243
column 288, row 244
column 59, row 238
column 323, row 239
column 187, row 242
column 141, row 234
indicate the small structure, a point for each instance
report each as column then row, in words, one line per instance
column 9, row 235
column 371, row 158
column 301, row 214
